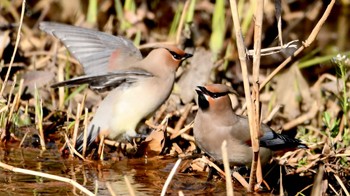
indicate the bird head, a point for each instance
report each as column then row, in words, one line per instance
column 170, row 55
column 214, row 96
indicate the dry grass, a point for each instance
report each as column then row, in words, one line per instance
column 314, row 94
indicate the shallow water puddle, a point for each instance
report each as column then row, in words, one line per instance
column 147, row 177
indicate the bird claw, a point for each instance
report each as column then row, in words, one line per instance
column 131, row 140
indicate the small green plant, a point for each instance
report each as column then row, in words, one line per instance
column 342, row 63
column 218, row 28
column 332, row 125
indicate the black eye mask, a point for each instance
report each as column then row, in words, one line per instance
column 211, row 94
column 180, row 57
column 175, row 55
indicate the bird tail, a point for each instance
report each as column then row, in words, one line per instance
column 90, row 141
column 275, row 141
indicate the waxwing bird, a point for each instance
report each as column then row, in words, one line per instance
column 216, row 121
column 139, row 85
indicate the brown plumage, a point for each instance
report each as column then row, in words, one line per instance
column 140, row 85
column 216, row 121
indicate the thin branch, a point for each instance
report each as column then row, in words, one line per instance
column 255, row 127
column 44, row 175
column 306, row 44
column 4, row 84
column 170, row 177
column 229, row 188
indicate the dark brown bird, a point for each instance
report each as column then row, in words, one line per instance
column 216, row 121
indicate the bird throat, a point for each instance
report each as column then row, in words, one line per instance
column 203, row 102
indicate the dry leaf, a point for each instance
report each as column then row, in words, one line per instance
column 197, row 74
column 292, row 91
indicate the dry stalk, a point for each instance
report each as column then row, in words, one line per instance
column 229, row 188
column 255, row 108
column 128, row 184
column 170, row 177
column 85, row 131
column 39, row 117
column 44, row 175
column 76, row 124
column 101, row 147
column 182, row 132
column 342, row 185
column 60, row 77
column 317, row 187
column 182, row 120
column 281, row 182
column 72, row 149
column 15, row 49
column 182, row 21
column 19, row 93
column 236, row 175
column 306, row 44
column 252, row 111
column 110, row 189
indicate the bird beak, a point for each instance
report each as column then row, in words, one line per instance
column 186, row 56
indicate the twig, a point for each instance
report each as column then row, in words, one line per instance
column 281, row 182
column 272, row 113
column 243, row 61
column 306, row 44
column 76, row 124
column 44, row 175
column 128, row 184
column 171, row 175
column 305, row 188
column 72, row 149
column 317, row 187
column 110, row 189
column 342, row 185
column 182, row 19
column 309, row 115
column 255, row 105
column 236, row 175
column 4, row 84
column 229, row 188
column 176, row 133
column 182, row 120
column 276, row 49
column 101, row 147
column 85, row 131
column 39, row 117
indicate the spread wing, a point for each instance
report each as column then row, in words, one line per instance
column 106, row 81
column 98, row 52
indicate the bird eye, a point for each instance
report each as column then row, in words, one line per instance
column 216, row 95
column 175, row 55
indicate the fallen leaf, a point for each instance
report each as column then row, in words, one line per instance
column 197, row 74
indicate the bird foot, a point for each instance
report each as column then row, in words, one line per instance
column 133, row 139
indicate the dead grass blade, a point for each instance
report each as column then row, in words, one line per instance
column 15, row 49
column 130, row 189
column 45, row 175
column 171, row 175
column 229, row 188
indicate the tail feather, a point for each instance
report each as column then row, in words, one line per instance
column 275, row 141
column 90, row 141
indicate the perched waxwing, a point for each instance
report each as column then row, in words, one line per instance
column 216, row 121
column 139, row 85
